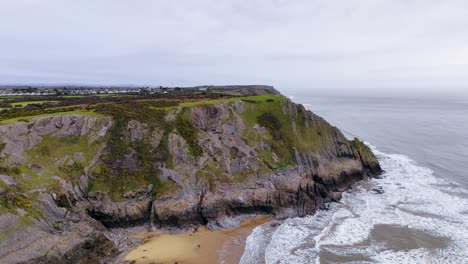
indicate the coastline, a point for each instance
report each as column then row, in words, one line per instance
column 197, row 247
column 208, row 178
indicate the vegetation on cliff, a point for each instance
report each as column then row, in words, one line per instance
column 173, row 161
column 164, row 117
column 286, row 131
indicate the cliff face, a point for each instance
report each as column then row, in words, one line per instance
column 67, row 178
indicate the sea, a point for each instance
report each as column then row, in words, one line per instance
column 417, row 212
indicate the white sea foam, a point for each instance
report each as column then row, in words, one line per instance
column 256, row 244
column 411, row 199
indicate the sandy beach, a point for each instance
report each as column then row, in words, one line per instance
column 199, row 247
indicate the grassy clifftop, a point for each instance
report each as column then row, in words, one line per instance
column 264, row 122
column 180, row 160
column 148, row 138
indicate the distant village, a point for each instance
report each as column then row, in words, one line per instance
column 102, row 90
column 71, row 90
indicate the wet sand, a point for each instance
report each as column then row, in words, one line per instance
column 200, row 247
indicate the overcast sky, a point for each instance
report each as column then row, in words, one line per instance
column 307, row 44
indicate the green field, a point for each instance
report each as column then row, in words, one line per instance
column 89, row 95
column 10, row 96
column 256, row 98
column 23, row 104
column 29, row 118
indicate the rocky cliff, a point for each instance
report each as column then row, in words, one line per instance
column 66, row 181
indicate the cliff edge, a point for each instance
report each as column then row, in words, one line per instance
column 67, row 180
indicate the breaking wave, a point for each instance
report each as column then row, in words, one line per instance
column 407, row 216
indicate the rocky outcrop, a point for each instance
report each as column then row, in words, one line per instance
column 316, row 178
column 20, row 137
column 220, row 161
column 120, row 214
column 249, row 90
column 61, row 236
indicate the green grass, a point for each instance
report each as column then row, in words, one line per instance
column 308, row 137
column 70, row 96
column 9, row 204
column 108, row 95
column 117, row 185
column 364, row 151
column 11, row 97
column 48, row 152
column 186, row 129
column 98, row 95
column 256, row 98
column 281, row 146
column 29, row 118
column 23, row 104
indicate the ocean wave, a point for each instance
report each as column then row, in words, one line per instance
column 416, row 219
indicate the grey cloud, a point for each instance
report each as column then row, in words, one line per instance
column 306, row 44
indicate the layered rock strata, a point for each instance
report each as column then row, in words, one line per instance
column 61, row 194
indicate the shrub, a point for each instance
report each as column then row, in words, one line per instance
column 15, row 170
column 249, row 101
column 74, row 171
column 269, row 121
column 272, row 123
column 186, row 129
column 22, row 203
column 43, row 150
